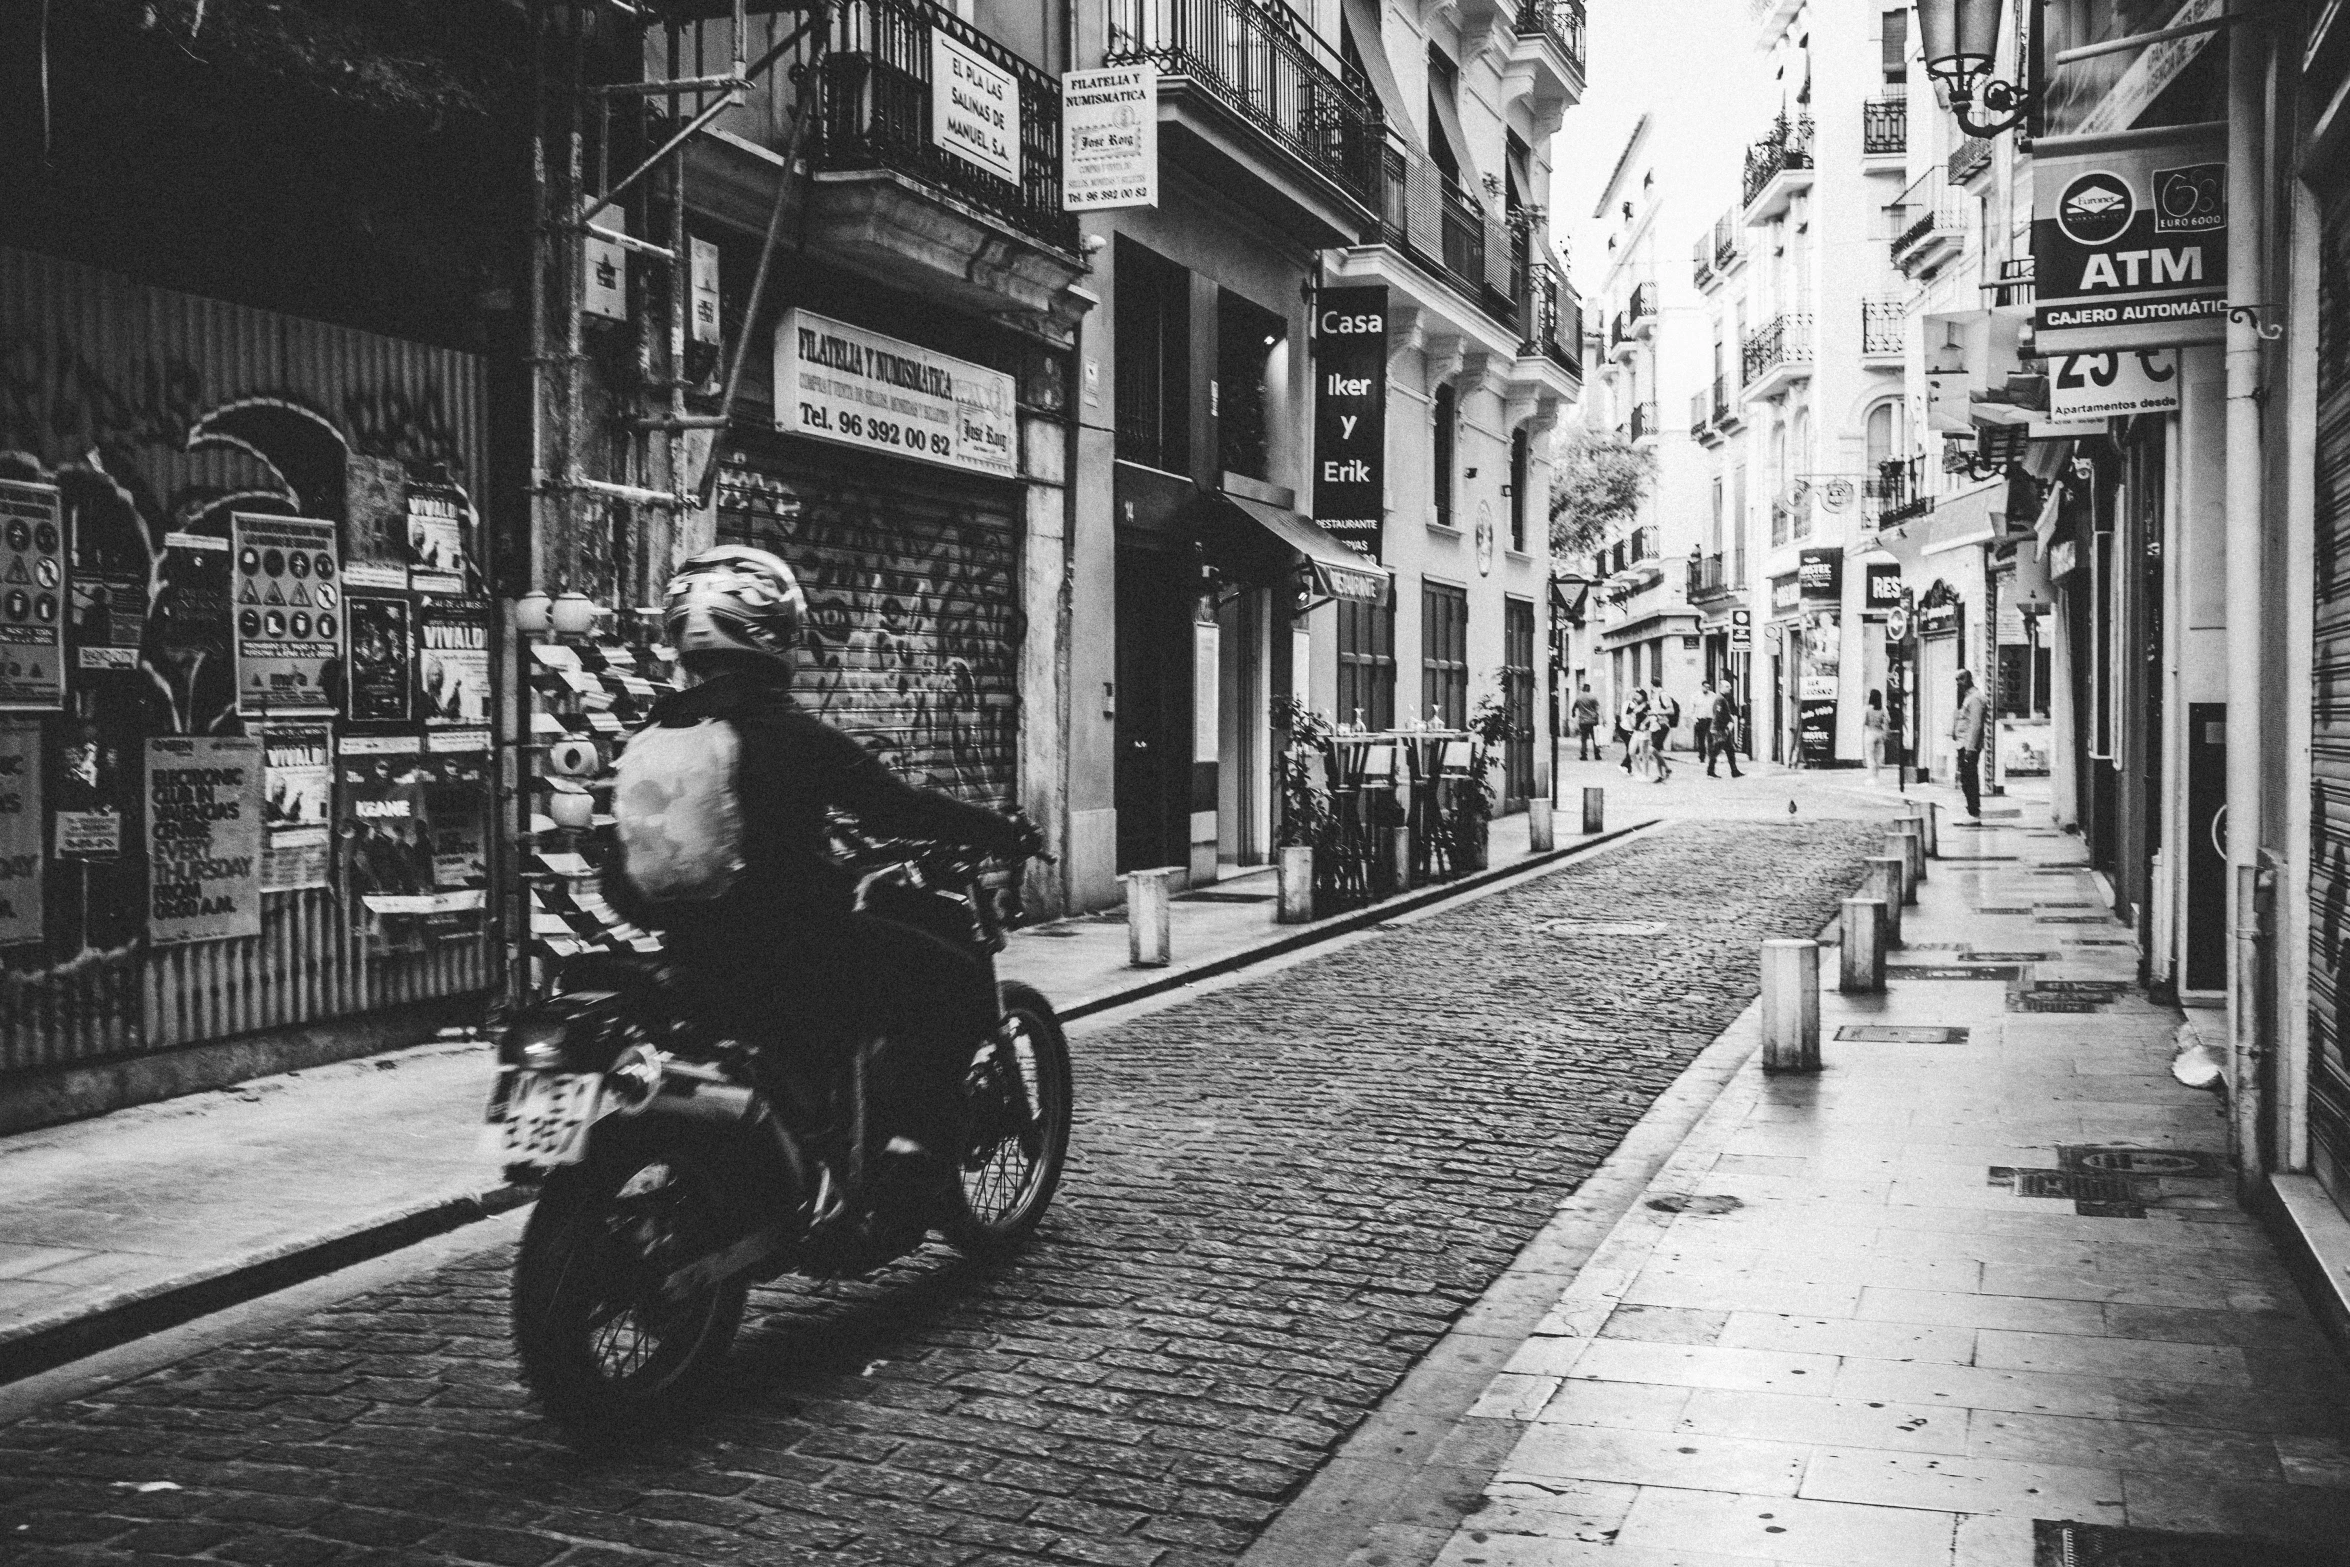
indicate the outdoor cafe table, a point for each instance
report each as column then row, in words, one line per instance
column 1419, row 764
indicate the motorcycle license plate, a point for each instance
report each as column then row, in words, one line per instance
column 547, row 1117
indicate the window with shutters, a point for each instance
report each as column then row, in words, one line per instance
column 1154, row 359
column 1444, row 655
column 1895, row 33
column 1366, row 664
column 1521, row 454
column 1448, row 417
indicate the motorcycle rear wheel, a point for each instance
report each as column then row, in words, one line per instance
column 1018, row 1101
column 597, row 1345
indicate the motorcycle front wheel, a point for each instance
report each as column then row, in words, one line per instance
column 598, row 1344
column 1017, row 1108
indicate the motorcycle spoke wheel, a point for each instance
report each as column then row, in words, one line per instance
column 1016, row 1117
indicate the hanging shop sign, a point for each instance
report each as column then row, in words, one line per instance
column 32, row 598
column 1820, row 575
column 2130, row 239
column 706, row 327
column 841, row 383
column 382, row 678
column 204, row 814
column 1786, row 593
column 2113, row 384
column 297, row 777
column 1350, row 415
column 1883, row 587
column 974, row 106
column 20, row 833
column 289, row 598
column 454, row 640
column 606, row 293
column 1110, row 138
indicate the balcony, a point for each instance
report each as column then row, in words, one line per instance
column 1778, row 168
column 1640, row 310
column 1555, row 315
column 1250, row 93
column 1546, row 63
column 1895, row 495
column 1709, row 579
column 1729, row 242
column 2015, row 282
column 1450, row 235
column 885, row 200
column 1620, row 341
column 1971, row 159
column 1881, row 328
column 1729, row 411
column 1884, row 131
column 1646, row 427
column 1928, row 225
column 1701, row 416
column 1701, row 268
column 1777, row 356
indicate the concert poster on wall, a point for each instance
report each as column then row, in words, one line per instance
column 382, row 657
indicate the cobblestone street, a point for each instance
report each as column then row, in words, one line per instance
column 1282, row 1193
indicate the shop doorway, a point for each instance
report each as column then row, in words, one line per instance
column 1152, row 789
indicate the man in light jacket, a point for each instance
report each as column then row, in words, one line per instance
column 1967, row 730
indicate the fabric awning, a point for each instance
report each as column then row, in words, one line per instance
column 1653, row 623
column 1257, row 542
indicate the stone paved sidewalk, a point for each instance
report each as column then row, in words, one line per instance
column 1857, row 1318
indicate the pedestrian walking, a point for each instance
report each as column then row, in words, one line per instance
column 1664, row 716
column 1586, row 716
column 1701, row 727
column 1967, row 730
column 1872, row 732
column 1632, row 724
column 1724, row 733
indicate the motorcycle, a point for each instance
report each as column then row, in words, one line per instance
column 680, row 1165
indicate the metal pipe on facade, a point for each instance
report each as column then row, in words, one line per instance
column 2247, row 536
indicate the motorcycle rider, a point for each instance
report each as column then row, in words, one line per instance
column 783, row 951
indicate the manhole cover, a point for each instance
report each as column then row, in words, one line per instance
column 2066, row 1544
column 2000, row 909
column 2029, row 1002
column 2138, row 1161
column 1951, row 971
column 1678, row 1202
column 1901, row 1034
column 1572, row 928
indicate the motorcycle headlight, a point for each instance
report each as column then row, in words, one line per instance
column 534, row 1043
column 634, row 1078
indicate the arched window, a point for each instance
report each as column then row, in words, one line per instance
column 1884, row 435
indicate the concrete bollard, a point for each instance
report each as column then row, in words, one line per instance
column 1147, row 913
column 1884, row 885
column 1791, row 1006
column 1897, row 845
column 1538, row 834
column 1296, row 878
column 1399, row 857
column 1929, row 817
column 1595, row 810
column 1862, row 967
column 1915, row 836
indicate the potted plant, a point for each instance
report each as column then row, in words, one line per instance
column 1307, row 823
column 1473, row 812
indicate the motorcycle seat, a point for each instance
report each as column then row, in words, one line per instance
column 621, row 971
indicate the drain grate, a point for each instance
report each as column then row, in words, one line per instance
column 2097, row 941
column 2000, row 909
column 2179, row 1162
column 2050, row 903
column 1225, row 897
column 1977, row 859
column 2082, row 987
column 2075, row 919
column 2009, row 957
column 2075, row 1186
column 1951, row 971
column 1901, row 1034
column 2066, row 1544
column 2027, row 1001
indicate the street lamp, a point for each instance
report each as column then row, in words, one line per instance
column 1960, row 40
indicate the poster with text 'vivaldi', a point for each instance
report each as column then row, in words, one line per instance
column 203, row 838
column 297, row 763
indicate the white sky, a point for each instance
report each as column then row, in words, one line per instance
column 1691, row 63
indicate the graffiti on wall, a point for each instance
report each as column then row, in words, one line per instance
column 914, row 632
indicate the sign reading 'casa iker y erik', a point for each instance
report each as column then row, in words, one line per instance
column 2130, row 239
column 1350, row 415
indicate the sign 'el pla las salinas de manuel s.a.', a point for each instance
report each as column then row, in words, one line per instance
column 2130, row 239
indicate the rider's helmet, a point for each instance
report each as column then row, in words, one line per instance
column 733, row 600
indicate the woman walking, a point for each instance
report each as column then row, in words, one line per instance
column 1663, row 714
column 1633, row 723
column 1872, row 732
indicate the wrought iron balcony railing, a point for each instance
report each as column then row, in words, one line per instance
column 1642, row 305
column 1562, row 20
column 1464, row 232
column 1729, row 240
column 1265, row 65
column 1893, row 496
column 1785, row 340
column 1707, row 578
column 1724, row 409
column 1701, row 270
column 1884, row 125
column 1971, row 158
column 1880, row 326
column 1701, row 413
column 1645, row 423
column 1788, row 146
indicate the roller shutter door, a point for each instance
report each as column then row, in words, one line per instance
column 912, row 577
column 2329, row 856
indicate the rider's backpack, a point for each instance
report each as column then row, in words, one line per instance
column 680, row 820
